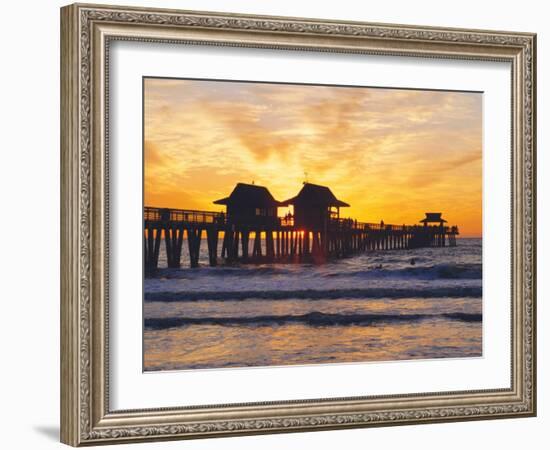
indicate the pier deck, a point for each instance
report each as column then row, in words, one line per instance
column 273, row 239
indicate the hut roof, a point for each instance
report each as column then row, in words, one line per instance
column 249, row 195
column 315, row 195
column 433, row 217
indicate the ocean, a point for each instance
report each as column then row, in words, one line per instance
column 378, row 306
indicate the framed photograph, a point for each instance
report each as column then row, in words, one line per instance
column 276, row 225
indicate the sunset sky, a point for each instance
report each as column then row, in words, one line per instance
column 392, row 154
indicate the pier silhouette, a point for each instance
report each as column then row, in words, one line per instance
column 314, row 233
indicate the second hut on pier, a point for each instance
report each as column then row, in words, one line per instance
column 315, row 206
column 433, row 218
column 250, row 205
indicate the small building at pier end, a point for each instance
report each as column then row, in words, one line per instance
column 315, row 206
column 251, row 205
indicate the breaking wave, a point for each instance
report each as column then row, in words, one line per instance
column 313, row 294
column 312, row 319
column 439, row 271
column 374, row 271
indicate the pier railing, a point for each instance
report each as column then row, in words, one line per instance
column 182, row 215
column 351, row 224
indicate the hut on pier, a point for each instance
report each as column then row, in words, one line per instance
column 433, row 218
column 249, row 204
column 315, row 206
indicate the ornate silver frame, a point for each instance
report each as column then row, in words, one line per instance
column 86, row 31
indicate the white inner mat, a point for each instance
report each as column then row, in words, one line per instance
column 130, row 388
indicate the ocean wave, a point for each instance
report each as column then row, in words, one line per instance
column 221, row 271
column 373, row 271
column 439, row 271
column 314, row 294
column 311, row 319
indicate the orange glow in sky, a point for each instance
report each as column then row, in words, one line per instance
column 391, row 154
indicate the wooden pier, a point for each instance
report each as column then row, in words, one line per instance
column 267, row 238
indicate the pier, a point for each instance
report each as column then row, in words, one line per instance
column 251, row 232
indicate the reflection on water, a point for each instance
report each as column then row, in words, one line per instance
column 214, row 346
column 374, row 307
